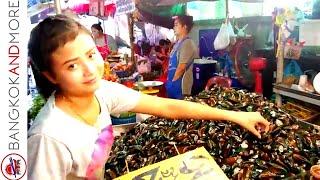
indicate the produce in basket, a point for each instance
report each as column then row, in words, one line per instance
column 289, row 149
column 121, row 67
column 111, row 77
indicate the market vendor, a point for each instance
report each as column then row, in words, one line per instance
column 163, row 51
column 180, row 75
column 72, row 135
column 105, row 43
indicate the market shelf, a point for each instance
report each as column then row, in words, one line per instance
column 311, row 98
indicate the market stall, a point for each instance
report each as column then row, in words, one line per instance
column 290, row 149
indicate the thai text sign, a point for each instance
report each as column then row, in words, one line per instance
column 124, row 6
column 96, row 8
column 107, row 2
column 196, row 164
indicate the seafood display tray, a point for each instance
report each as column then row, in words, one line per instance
column 287, row 151
column 307, row 125
column 300, row 95
column 300, row 113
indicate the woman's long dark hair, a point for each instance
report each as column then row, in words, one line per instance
column 50, row 34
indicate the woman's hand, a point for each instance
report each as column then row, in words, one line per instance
column 178, row 109
column 252, row 121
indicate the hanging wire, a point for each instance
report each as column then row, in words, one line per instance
column 206, row 45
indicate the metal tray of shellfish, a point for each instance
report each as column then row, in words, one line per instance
column 307, row 124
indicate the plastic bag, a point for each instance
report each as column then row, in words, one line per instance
column 232, row 35
column 143, row 65
column 292, row 51
column 230, row 30
column 222, row 39
column 293, row 68
column 291, row 73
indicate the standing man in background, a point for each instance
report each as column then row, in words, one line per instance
column 180, row 74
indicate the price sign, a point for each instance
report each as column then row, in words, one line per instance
column 107, row 2
column 124, row 6
column 96, row 8
column 196, row 164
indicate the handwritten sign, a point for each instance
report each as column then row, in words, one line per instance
column 107, row 2
column 96, row 8
column 196, row 164
column 124, row 6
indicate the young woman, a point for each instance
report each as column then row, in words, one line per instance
column 104, row 42
column 71, row 136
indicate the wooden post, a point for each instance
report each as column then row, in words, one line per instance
column 280, row 59
column 57, row 6
column 130, row 26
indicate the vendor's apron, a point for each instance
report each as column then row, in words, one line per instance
column 174, row 88
column 104, row 50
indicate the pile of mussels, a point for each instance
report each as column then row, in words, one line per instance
column 290, row 148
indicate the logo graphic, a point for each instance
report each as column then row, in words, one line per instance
column 13, row 166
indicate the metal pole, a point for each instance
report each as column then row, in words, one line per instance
column 227, row 8
column 57, row 6
column 130, row 26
